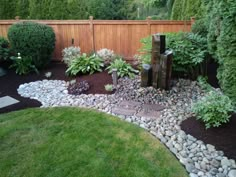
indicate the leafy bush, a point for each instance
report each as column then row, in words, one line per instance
column 4, row 49
column 107, row 55
column 214, row 109
column 70, row 54
column 84, row 64
column 23, row 65
column 34, row 40
column 189, row 50
column 123, row 68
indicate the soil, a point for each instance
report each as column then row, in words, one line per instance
column 223, row 138
column 11, row 81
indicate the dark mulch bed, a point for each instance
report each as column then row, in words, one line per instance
column 10, row 82
column 223, row 138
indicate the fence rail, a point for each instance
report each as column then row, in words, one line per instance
column 122, row 36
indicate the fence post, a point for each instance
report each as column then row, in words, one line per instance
column 17, row 18
column 149, row 25
column 92, row 32
column 192, row 21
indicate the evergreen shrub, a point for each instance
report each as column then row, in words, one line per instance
column 222, row 43
column 33, row 40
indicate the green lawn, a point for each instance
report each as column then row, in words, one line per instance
column 72, row 142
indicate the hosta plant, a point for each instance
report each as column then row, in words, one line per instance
column 123, row 68
column 214, row 109
column 85, row 64
column 107, row 55
column 69, row 54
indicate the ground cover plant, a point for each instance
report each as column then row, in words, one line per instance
column 77, row 88
column 79, row 142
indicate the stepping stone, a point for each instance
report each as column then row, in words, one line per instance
column 2, row 72
column 7, row 101
column 155, row 107
column 149, row 114
column 129, row 104
column 123, row 111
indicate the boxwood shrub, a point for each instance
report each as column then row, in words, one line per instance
column 34, row 40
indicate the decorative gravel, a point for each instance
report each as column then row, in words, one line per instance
column 198, row 158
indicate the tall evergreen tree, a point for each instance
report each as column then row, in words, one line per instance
column 22, row 8
column 58, row 10
column 8, row 9
column 185, row 9
column 177, row 10
column 77, row 9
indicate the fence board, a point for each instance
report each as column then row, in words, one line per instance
column 122, row 36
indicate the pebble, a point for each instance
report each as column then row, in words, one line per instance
column 232, row 173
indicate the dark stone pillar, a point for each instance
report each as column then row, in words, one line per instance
column 146, row 75
column 165, row 70
column 158, row 47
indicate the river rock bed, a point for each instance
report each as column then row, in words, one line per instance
column 198, row 158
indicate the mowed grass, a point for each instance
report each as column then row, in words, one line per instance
column 73, row 142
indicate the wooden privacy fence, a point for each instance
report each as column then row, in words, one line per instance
column 122, row 36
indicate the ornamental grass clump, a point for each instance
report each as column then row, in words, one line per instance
column 214, row 109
